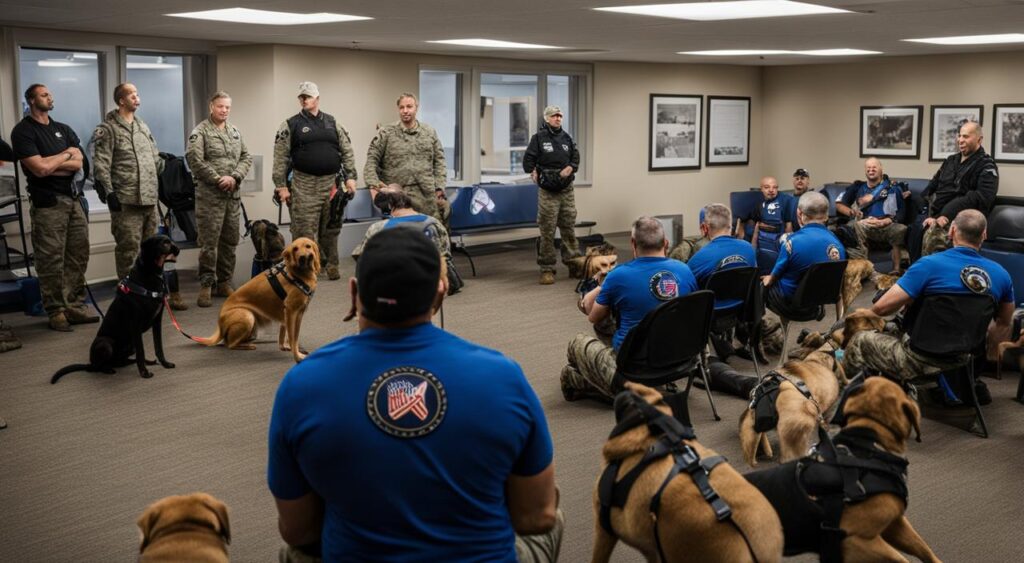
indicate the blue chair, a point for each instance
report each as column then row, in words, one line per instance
column 1005, row 243
column 743, row 206
column 832, row 192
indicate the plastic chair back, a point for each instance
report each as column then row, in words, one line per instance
column 665, row 345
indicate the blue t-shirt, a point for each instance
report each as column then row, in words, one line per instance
column 777, row 212
column 721, row 253
column 951, row 270
column 813, row 244
column 886, row 203
column 635, row 288
column 409, row 436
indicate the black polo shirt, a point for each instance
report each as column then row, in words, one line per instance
column 31, row 138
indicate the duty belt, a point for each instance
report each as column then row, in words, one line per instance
column 768, row 228
column 279, row 268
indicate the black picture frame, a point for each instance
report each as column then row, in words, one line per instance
column 937, row 148
column 886, row 124
column 724, row 151
column 1002, row 140
column 674, row 132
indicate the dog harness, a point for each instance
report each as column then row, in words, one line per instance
column 762, row 402
column 279, row 268
column 129, row 286
column 671, row 433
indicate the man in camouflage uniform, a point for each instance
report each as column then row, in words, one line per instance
column 318, row 153
column 126, row 170
column 50, row 155
column 408, row 153
column 219, row 161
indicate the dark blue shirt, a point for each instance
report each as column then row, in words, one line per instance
column 635, row 288
column 952, row 270
column 409, row 436
column 721, row 253
column 800, row 250
column 887, row 201
column 777, row 212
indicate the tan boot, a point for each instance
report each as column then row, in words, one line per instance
column 547, row 278
column 177, row 303
column 205, row 299
column 224, row 289
column 59, row 322
column 80, row 316
column 333, row 273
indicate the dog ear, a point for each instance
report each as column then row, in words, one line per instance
column 288, row 256
column 853, row 324
column 221, row 510
column 146, row 522
column 913, row 414
column 316, row 258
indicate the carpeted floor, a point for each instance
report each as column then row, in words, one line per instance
column 81, row 459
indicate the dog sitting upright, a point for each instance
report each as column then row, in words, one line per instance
column 846, row 501
column 191, row 528
column 138, row 306
column 269, row 244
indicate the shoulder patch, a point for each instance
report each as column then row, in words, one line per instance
column 833, row 253
column 99, row 132
column 664, row 286
column 407, row 402
column 193, row 137
column 282, row 134
column 976, row 279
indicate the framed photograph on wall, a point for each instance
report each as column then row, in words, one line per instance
column 675, row 132
column 1008, row 133
column 728, row 131
column 890, row 131
column 946, row 122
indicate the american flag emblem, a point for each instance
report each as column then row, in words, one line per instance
column 407, row 402
column 664, row 286
column 404, row 398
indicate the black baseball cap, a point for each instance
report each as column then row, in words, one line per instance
column 801, row 173
column 397, row 275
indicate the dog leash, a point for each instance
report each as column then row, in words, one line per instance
column 174, row 321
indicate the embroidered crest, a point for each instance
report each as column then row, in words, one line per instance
column 407, row 402
column 833, row 253
column 547, row 147
column 234, row 134
column 306, row 129
column 565, row 148
column 730, row 260
column 193, row 137
column 664, row 286
column 99, row 132
column 481, row 202
column 976, row 279
column 58, row 135
column 281, row 135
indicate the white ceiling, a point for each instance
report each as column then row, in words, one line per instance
column 586, row 34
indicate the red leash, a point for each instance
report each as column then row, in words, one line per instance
column 174, row 321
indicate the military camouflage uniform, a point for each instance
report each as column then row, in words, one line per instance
column 310, row 204
column 935, row 239
column 894, row 234
column 437, row 234
column 591, row 367
column 688, row 247
column 412, row 158
column 127, row 163
column 60, row 240
column 877, row 352
column 213, row 152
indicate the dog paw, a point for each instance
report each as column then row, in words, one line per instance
column 145, row 374
column 167, row 365
column 299, row 357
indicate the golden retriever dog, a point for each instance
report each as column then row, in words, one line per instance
column 686, row 526
column 190, row 528
column 258, row 302
column 879, row 421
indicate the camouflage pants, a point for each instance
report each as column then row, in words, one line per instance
column 60, row 241
column 591, row 367
column 311, row 210
column 217, row 220
column 893, row 234
column 687, row 248
column 556, row 210
column 425, row 201
column 130, row 226
column 889, row 355
column 935, row 239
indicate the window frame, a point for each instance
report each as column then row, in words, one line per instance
column 461, row 131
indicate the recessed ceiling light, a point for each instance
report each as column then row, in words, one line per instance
column 972, row 39
column 264, row 17
column 58, row 63
column 813, row 52
column 492, row 44
column 712, row 11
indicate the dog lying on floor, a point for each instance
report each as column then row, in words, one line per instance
column 191, row 528
column 840, row 334
column 664, row 514
column 281, row 294
column 856, row 480
column 138, row 306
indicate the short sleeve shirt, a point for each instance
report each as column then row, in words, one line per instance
column 722, row 253
column 801, row 250
column 958, row 270
column 31, row 138
column 775, row 212
column 635, row 288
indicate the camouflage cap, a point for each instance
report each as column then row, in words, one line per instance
column 552, row 110
column 309, row 89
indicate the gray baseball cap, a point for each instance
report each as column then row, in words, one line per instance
column 552, row 110
column 309, row 89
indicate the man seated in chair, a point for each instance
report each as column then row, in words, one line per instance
column 772, row 219
column 872, row 206
column 723, row 251
column 632, row 290
column 959, row 270
column 811, row 245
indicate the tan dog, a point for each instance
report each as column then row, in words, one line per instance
column 190, row 528
column 257, row 302
column 857, row 272
column 685, row 524
column 861, row 319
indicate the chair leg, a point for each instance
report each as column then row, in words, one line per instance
column 974, row 398
column 1020, row 384
column 757, row 367
column 707, row 388
column 840, row 309
column 461, row 248
column 785, row 341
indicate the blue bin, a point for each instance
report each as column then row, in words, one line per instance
column 31, row 299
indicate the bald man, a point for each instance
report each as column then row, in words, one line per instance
column 872, row 204
column 772, row 219
column 968, row 179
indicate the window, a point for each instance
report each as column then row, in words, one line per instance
column 441, row 108
column 161, row 85
column 73, row 78
column 508, row 110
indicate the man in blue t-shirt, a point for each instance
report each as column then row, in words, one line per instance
column 632, row 290
column 812, row 244
column 772, row 219
column 872, row 206
column 722, row 252
column 406, row 442
column 960, row 269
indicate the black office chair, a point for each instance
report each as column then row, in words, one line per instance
column 668, row 344
column 738, row 284
column 949, row 326
column 821, row 285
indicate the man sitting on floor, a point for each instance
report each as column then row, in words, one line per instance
column 960, row 270
column 632, row 290
column 390, row 445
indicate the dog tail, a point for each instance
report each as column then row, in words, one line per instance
column 69, row 369
column 213, row 340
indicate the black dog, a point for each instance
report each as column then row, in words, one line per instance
column 138, row 306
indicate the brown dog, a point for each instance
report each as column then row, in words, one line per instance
column 861, row 319
column 258, row 301
column 686, row 526
column 190, row 528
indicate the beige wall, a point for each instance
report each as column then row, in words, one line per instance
column 812, row 113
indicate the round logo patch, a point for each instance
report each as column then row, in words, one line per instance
column 407, row 402
column 976, row 279
column 833, row 253
column 730, row 260
column 664, row 286
column 306, row 129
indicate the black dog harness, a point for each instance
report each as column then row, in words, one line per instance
column 279, row 268
column 128, row 286
column 670, row 433
column 762, row 402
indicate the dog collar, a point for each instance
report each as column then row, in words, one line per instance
column 278, row 288
column 127, row 286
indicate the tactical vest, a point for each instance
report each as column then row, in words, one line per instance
column 315, row 148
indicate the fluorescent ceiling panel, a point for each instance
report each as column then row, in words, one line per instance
column 748, row 52
column 972, row 39
column 492, row 44
column 714, row 11
column 264, row 17
column 58, row 63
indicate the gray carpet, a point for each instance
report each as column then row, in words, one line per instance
column 81, row 459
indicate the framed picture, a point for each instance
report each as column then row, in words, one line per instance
column 891, row 131
column 946, row 122
column 1008, row 133
column 728, row 131
column 675, row 132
